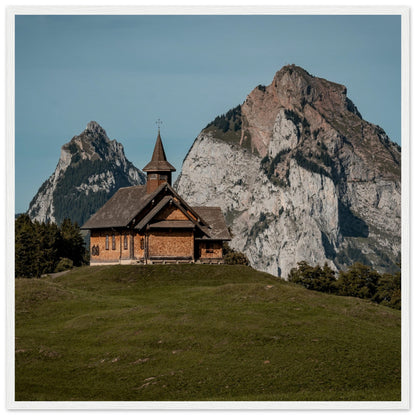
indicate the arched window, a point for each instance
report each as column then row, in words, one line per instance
column 107, row 242
column 113, row 242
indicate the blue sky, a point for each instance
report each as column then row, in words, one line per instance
column 127, row 71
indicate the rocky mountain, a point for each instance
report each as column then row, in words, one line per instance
column 90, row 170
column 300, row 176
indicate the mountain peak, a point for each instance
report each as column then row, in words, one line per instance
column 295, row 70
column 90, row 170
column 301, row 176
column 94, row 127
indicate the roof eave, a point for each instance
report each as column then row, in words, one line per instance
column 213, row 239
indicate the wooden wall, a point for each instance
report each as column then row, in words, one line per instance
column 161, row 243
column 98, row 239
column 210, row 249
column 171, row 213
column 174, row 243
column 138, row 246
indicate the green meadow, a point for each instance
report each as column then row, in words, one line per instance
column 199, row 332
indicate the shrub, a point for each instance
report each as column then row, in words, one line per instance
column 359, row 281
column 64, row 264
column 389, row 290
column 321, row 279
column 39, row 247
column 236, row 258
column 233, row 257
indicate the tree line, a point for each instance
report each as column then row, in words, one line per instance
column 69, row 202
column 42, row 248
column 228, row 121
column 358, row 280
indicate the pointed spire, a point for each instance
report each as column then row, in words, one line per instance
column 159, row 162
column 159, row 154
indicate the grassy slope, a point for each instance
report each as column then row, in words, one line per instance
column 189, row 332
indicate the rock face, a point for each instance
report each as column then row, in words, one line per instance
column 90, row 170
column 300, row 176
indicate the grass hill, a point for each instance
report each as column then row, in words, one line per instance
column 199, row 332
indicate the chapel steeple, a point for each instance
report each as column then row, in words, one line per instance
column 159, row 170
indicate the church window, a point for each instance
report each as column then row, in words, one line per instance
column 125, row 242
column 142, row 243
column 163, row 177
column 113, row 242
column 106, row 242
column 153, row 176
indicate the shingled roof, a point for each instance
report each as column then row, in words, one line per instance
column 217, row 229
column 159, row 162
column 127, row 203
column 120, row 209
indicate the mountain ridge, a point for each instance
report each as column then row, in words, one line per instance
column 90, row 169
column 304, row 177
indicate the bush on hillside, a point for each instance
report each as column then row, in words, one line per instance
column 64, row 264
column 358, row 280
column 39, row 247
column 317, row 278
column 389, row 290
column 233, row 257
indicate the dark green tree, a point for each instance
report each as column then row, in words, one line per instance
column 359, row 280
column 49, row 238
column 317, row 278
column 40, row 247
column 233, row 257
column 27, row 248
column 71, row 243
column 389, row 290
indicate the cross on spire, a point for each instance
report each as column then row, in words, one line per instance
column 158, row 123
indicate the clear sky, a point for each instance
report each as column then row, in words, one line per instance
column 127, row 71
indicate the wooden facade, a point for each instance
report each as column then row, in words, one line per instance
column 169, row 241
column 153, row 224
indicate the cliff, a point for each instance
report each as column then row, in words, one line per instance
column 301, row 176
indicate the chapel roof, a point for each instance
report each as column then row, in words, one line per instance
column 127, row 203
column 217, row 229
column 120, row 209
column 159, row 162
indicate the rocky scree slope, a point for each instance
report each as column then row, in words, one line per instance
column 300, row 176
column 90, row 170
